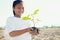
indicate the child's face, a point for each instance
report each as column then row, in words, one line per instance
column 18, row 9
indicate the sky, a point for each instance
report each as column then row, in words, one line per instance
column 49, row 11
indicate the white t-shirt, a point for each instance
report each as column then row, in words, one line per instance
column 14, row 23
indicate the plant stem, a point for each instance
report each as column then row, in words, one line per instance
column 33, row 20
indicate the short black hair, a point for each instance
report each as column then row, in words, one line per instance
column 15, row 3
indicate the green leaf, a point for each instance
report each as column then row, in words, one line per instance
column 36, row 11
column 26, row 18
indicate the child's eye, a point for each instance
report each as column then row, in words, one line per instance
column 19, row 8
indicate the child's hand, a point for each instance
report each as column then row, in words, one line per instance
column 32, row 32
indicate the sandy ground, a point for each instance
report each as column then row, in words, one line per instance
column 48, row 34
column 2, row 37
column 44, row 34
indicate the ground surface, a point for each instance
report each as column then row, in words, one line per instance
column 48, row 34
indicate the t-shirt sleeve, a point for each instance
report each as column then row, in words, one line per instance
column 8, row 29
column 9, row 26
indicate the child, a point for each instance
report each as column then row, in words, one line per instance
column 18, row 29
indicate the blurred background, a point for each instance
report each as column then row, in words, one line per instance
column 49, row 11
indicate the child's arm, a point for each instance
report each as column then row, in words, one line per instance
column 18, row 32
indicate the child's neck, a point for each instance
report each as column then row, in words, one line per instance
column 18, row 16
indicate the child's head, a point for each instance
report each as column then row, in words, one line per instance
column 18, row 8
